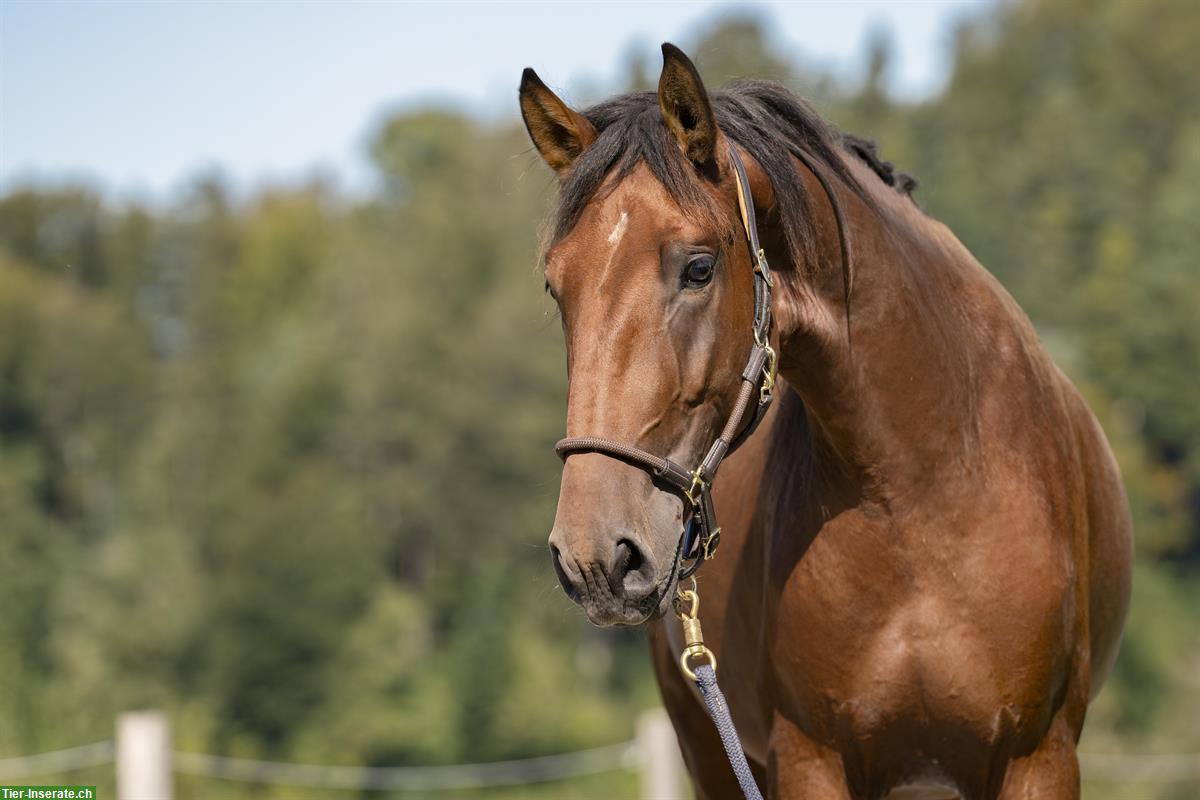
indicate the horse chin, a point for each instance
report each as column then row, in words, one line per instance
column 632, row 615
column 622, row 617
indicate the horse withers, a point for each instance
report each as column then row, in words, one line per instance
column 926, row 547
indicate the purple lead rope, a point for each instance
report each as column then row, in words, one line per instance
column 718, row 709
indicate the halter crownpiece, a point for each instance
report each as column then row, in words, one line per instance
column 701, row 535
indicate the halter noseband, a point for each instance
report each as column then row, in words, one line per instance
column 701, row 535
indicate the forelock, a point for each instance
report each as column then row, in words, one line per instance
column 631, row 131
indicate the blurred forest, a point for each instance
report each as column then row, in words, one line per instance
column 282, row 465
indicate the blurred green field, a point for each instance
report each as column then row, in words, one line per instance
column 231, row 429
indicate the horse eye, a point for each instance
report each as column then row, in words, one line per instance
column 699, row 271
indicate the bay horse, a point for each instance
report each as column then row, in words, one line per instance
column 927, row 546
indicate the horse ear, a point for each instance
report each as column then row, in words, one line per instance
column 685, row 107
column 558, row 132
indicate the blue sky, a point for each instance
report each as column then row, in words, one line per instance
column 138, row 97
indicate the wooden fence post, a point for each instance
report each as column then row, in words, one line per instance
column 144, row 756
column 663, row 775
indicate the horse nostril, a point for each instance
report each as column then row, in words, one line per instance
column 631, row 572
column 628, row 558
column 564, row 578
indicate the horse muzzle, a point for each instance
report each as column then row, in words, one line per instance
column 617, row 581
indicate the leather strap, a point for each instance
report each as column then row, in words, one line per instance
column 701, row 535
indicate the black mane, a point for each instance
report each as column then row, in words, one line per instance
column 868, row 151
column 764, row 118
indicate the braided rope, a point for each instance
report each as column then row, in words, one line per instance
column 574, row 444
column 718, row 709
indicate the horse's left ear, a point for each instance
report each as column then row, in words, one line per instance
column 686, row 108
column 559, row 132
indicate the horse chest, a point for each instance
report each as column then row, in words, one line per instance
column 877, row 641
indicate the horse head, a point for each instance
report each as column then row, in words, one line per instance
column 654, row 283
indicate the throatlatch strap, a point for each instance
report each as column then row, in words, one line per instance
column 762, row 288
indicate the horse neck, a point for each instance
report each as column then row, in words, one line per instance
column 889, row 388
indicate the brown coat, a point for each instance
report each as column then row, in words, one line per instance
column 926, row 546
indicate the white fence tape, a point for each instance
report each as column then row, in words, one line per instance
column 1147, row 767
column 455, row 776
column 96, row 754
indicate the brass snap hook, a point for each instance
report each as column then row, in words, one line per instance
column 687, row 608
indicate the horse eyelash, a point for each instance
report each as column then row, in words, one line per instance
column 546, row 289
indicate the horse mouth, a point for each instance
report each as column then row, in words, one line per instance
column 632, row 614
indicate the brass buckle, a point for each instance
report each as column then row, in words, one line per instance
column 697, row 483
column 709, row 545
column 762, row 269
column 769, row 372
